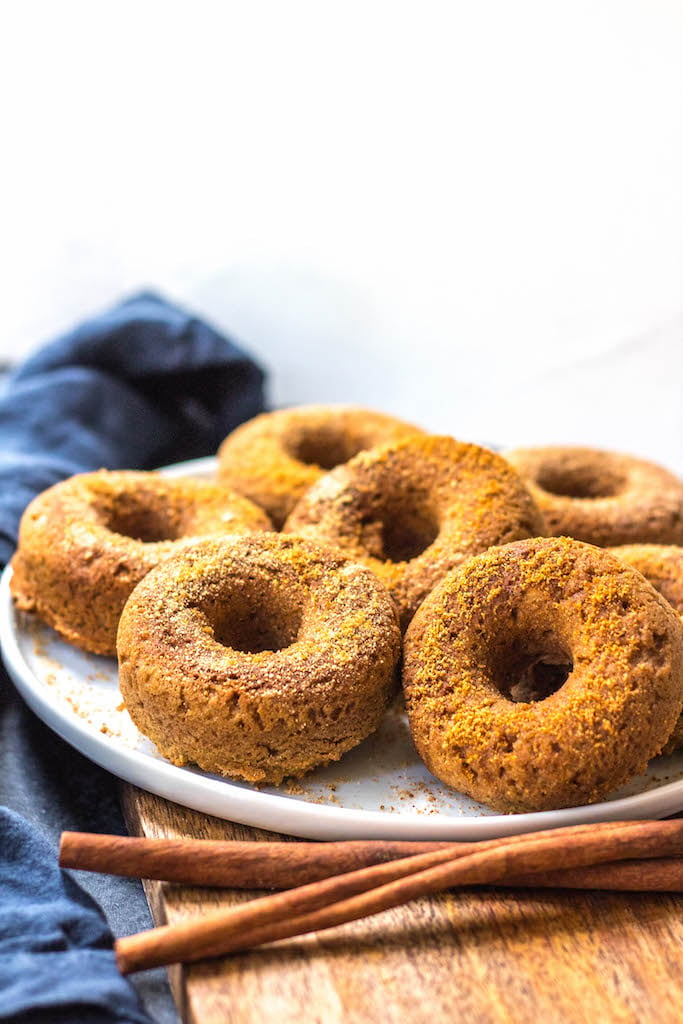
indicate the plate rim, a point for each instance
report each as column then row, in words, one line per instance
column 281, row 812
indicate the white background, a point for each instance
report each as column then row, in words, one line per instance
column 470, row 214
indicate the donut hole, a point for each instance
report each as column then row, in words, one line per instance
column 538, row 679
column 146, row 518
column 532, row 674
column 401, row 530
column 403, row 541
column 323, row 448
column 255, row 617
column 581, row 481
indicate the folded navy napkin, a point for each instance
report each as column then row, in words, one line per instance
column 140, row 385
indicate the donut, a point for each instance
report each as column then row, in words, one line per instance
column 602, row 497
column 413, row 510
column 87, row 541
column 542, row 674
column 662, row 566
column 274, row 458
column 258, row 657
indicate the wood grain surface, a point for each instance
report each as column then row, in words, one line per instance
column 482, row 956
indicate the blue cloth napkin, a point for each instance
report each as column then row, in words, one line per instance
column 142, row 384
column 56, row 961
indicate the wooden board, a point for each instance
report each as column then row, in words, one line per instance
column 489, row 957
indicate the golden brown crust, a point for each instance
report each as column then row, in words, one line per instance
column 87, row 541
column 506, row 629
column 274, row 458
column 258, row 657
column 413, row 510
column 602, row 497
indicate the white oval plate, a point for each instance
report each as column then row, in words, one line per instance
column 379, row 790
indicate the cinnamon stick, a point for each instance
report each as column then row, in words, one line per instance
column 344, row 898
column 232, row 864
column 660, row 874
column 281, row 865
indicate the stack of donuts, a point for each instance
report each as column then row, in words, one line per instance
column 529, row 604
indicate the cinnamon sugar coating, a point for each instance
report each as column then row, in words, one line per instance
column 274, row 458
column 258, row 657
column 602, row 497
column 413, row 510
column 542, row 674
column 87, row 541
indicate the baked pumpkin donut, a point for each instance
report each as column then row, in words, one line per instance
column 602, row 497
column 258, row 657
column 274, row 458
column 542, row 674
column 87, row 541
column 662, row 566
column 412, row 511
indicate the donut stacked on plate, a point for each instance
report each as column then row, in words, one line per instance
column 259, row 617
column 85, row 543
